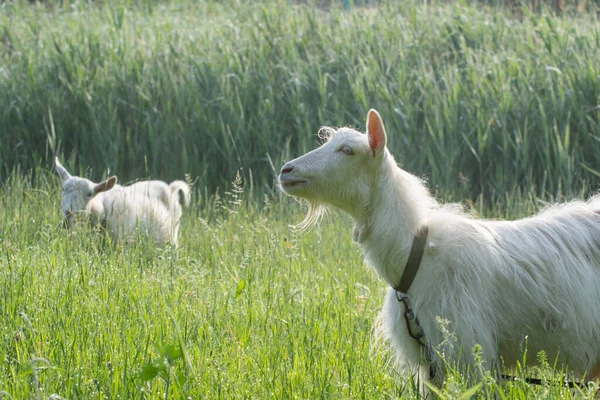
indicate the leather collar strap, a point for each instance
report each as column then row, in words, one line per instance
column 414, row 260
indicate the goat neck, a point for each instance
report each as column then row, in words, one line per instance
column 398, row 205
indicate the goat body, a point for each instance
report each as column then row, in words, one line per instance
column 507, row 286
column 152, row 208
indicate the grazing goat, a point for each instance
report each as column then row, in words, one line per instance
column 504, row 285
column 153, row 207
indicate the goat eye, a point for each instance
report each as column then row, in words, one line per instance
column 89, row 194
column 347, row 151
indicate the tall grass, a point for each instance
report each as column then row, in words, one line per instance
column 259, row 312
column 243, row 309
column 475, row 99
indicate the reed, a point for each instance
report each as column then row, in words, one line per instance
column 479, row 100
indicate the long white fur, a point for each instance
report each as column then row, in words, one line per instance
column 503, row 285
column 152, row 208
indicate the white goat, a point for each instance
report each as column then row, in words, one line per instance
column 153, row 207
column 503, row 285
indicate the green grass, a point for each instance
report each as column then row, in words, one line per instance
column 479, row 100
column 298, row 325
column 261, row 312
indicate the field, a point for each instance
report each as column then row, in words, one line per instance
column 260, row 311
column 496, row 109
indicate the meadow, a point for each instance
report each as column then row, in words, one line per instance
column 496, row 109
column 244, row 308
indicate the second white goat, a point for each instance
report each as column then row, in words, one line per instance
column 150, row 208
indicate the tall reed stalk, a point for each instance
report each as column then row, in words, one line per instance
column 479, row 100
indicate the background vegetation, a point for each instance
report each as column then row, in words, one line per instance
column 477, row 99
column 496, row 105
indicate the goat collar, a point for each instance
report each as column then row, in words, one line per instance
column 414, row 260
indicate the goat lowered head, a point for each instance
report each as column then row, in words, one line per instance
column 78, row 192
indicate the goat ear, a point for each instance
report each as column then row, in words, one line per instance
column 376, row 132
column 62, row 171
column 105, row 185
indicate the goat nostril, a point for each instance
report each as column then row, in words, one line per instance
column 286, row 168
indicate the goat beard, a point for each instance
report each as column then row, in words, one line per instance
column 313, row 216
